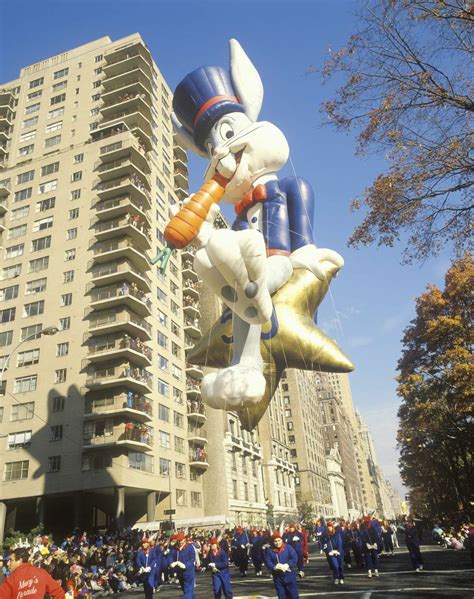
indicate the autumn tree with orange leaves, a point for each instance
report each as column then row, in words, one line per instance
column 408, row 92
column 436, row 384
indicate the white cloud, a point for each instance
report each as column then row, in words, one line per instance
column 361, row 341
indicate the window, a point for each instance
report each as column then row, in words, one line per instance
column 32, row 108
column 178, row 395
column 6, row 338
column 165, row 466
column 56, row 432
column 16, row 232
column 76, row 194
column 65, row 323
column 36, row 286
column 14, row 251
column 66, row 299
column 196, row 499
column 57, row 99
column 54, row 127
column 176, row 372
column 163, row 413
column 43, row 223
column 36, row 82
column 31, row 332
column 60, row 375
column 54, row 463
column 49, row 169
column 52, row 114
column 58, row 403
column 23, row 194
column 38, row 264
column 96, row 461
column 95, row 97
column 33, row 309
column 165, row 439
column 27, row 136
column 42, row 243
column 78, row 158
column 77, row 176
column 162, row 339
column 180, row 497
column 174, row 328
column 180, row 470
column 8, row 293
column 293, row 453
column 61, row 73
column 74, row 213
column 99, row 57
column 25, row 150
column 58, row 86
column 289, row 426
column 62, row 349
column 70, row 255
column 22, row 411
column 44, row 205
column 30, row 122
column 7, row 315
column 48, row 186
column 163, row 388
column 179, row 444
column 162, row 362
column 34, row 95
column 28, row 358
column 178, row 419
column 52, row 141
column 16, row 470
column 235, row 492
column 9, row 272
column 19, row 213
column 25, row 384
column 291, row 438
column 68, row 276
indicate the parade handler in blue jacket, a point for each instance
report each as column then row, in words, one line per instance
column 332, row 546
column 412, row 541
column 217, row 561
column 149, row 563
column 281, row 560
column 182, row 560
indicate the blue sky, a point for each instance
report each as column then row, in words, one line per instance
column 372, row 299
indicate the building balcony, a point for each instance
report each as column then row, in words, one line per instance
column 196, row 435
column 196, row 412
column 127, row 145
column 136, row 408
column 103, row 298
column 188, row 273
column 3, row 207
column 198, row 458
column 125, row 103
column 127, row 52
column 110, row 347
column 127, row 63
column 122, row 167
column 5, row 133
column 180, row 178
column 117, row 207
column 123, row 80
column 132, row 439
column 107, row 251
column 3, row 149
column 194, row 371
column 7, row 98
column 189, row 343
column 108, row 132
column 132, row 186
column 6, row 115
column 103, row 323
column 193, row 389
column 190, row 289
column 181, row 192
column 135, row 117
column 130, row 225
column 191, row 308
column 115, row 93
column 179, row 153
column 118, row 272
column 180, row 164
column 192, row 328
column 128, row 375
column 4, row 191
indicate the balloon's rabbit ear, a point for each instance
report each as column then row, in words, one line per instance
column 185, row 137
column 245, row 80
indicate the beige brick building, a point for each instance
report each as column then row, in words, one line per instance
column 98, row 422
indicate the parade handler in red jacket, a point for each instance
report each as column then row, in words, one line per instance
column 27, row 581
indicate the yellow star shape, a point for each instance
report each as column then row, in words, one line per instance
column 290, row 340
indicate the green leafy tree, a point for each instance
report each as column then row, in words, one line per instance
column 436, row 384
column 408, row 92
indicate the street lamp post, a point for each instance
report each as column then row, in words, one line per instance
column 46, row 331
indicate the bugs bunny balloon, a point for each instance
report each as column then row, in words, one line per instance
column 215, row 115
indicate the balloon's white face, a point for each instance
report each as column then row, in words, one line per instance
column 243, row 151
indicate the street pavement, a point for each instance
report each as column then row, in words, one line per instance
column 446, row 574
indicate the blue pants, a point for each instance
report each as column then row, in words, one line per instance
column 371, row 559
column 221, row 583
column 415, row 556
column 337, row 565
column 286, row 586
column 186, row 580
column 148, row 590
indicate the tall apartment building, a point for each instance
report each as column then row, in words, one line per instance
column 98, row 421
column 301, row 390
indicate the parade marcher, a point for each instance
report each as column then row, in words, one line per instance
column 344, row 531
column 387, row 538
column 356, row 544
column 295, row 538
column 377, row 527
column 281, row 559
column 320, row 530
column 370, row 547
column 412, row 542
column 240, row 548
column 332, row 546
column 256, row 551
column 300, row 528
column 217, row 561
column 28, row 580
column 393, row 528
column 147, row 568
column 182, row 560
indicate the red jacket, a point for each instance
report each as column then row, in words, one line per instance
column 30, row 582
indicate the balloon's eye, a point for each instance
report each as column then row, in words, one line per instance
column 226, row 131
